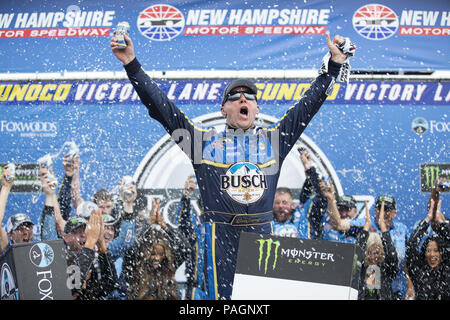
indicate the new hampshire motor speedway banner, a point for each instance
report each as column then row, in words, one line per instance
column 66, row 35
column 369, row 137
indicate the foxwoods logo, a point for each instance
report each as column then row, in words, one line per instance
column 267, row 253
column 41, row 255
column 419, row 125
column 29, row 129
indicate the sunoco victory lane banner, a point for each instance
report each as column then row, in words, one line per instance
column 53, row 36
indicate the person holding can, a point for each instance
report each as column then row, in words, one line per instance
column 237, row 169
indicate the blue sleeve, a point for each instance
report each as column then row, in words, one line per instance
column 317, row 207
column 48, row 224
column 356, row 225
column 295, row 120
column 161, row 108
column 124, row 240
column 64, row 197
column 184, row 219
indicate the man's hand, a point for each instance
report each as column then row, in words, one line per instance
column 93, row 228
column 128, row 200
column 368, row 223
column 5, row 184
column 125, row 55
column 70, row 166
column 45, row 181
column 381, row 220
column 327, row 191
column 305, row 157
column 336, row 54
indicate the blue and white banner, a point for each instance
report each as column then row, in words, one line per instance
column 209, row 92
column 54, row 36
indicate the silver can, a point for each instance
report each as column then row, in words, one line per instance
column 122, row 28
column 53, row 181
column 125, row 185
column 73, row 151
column 11, row 167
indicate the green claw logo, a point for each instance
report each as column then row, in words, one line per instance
column 268, row 253
column 431, row 174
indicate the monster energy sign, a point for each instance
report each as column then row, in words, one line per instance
column 277, row 267
column 429, row 172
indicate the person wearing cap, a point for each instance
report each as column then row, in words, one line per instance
column 237, row 169
column 399, row 234
column 84, row 241
column 341, row 223
column 19, row 227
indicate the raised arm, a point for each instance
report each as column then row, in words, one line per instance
column 76, row 184
column 4, row 193
column 298, row 117
column 336, row 221
column 51, row 216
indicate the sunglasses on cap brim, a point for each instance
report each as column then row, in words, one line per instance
column 237, row 95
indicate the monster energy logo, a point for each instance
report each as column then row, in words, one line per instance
column 431, row 174
column 269, row 243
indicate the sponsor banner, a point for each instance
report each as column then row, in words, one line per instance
column 177, row 35
column 39, row 272
column 26, row 178
column 430, row 172
column 297, row 260
column 210, row 92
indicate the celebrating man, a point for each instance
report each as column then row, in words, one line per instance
column 237, row 169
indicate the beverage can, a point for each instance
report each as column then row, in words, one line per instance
column 53, row 181
column 122, row 28
column 126, row 184
column 12, row 172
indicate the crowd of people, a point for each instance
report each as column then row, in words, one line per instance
column 125, row 249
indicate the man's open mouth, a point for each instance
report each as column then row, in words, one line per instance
column 244, row 111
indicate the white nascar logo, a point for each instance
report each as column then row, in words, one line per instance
column 244, row 182
column 375, row 22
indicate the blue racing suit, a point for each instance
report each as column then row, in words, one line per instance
column 237, row 171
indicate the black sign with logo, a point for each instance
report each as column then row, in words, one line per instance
column 35, row 271
column 26, row 178
column 429, row 172
column 298, row 259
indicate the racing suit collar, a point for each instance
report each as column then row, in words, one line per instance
column 230, row 129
